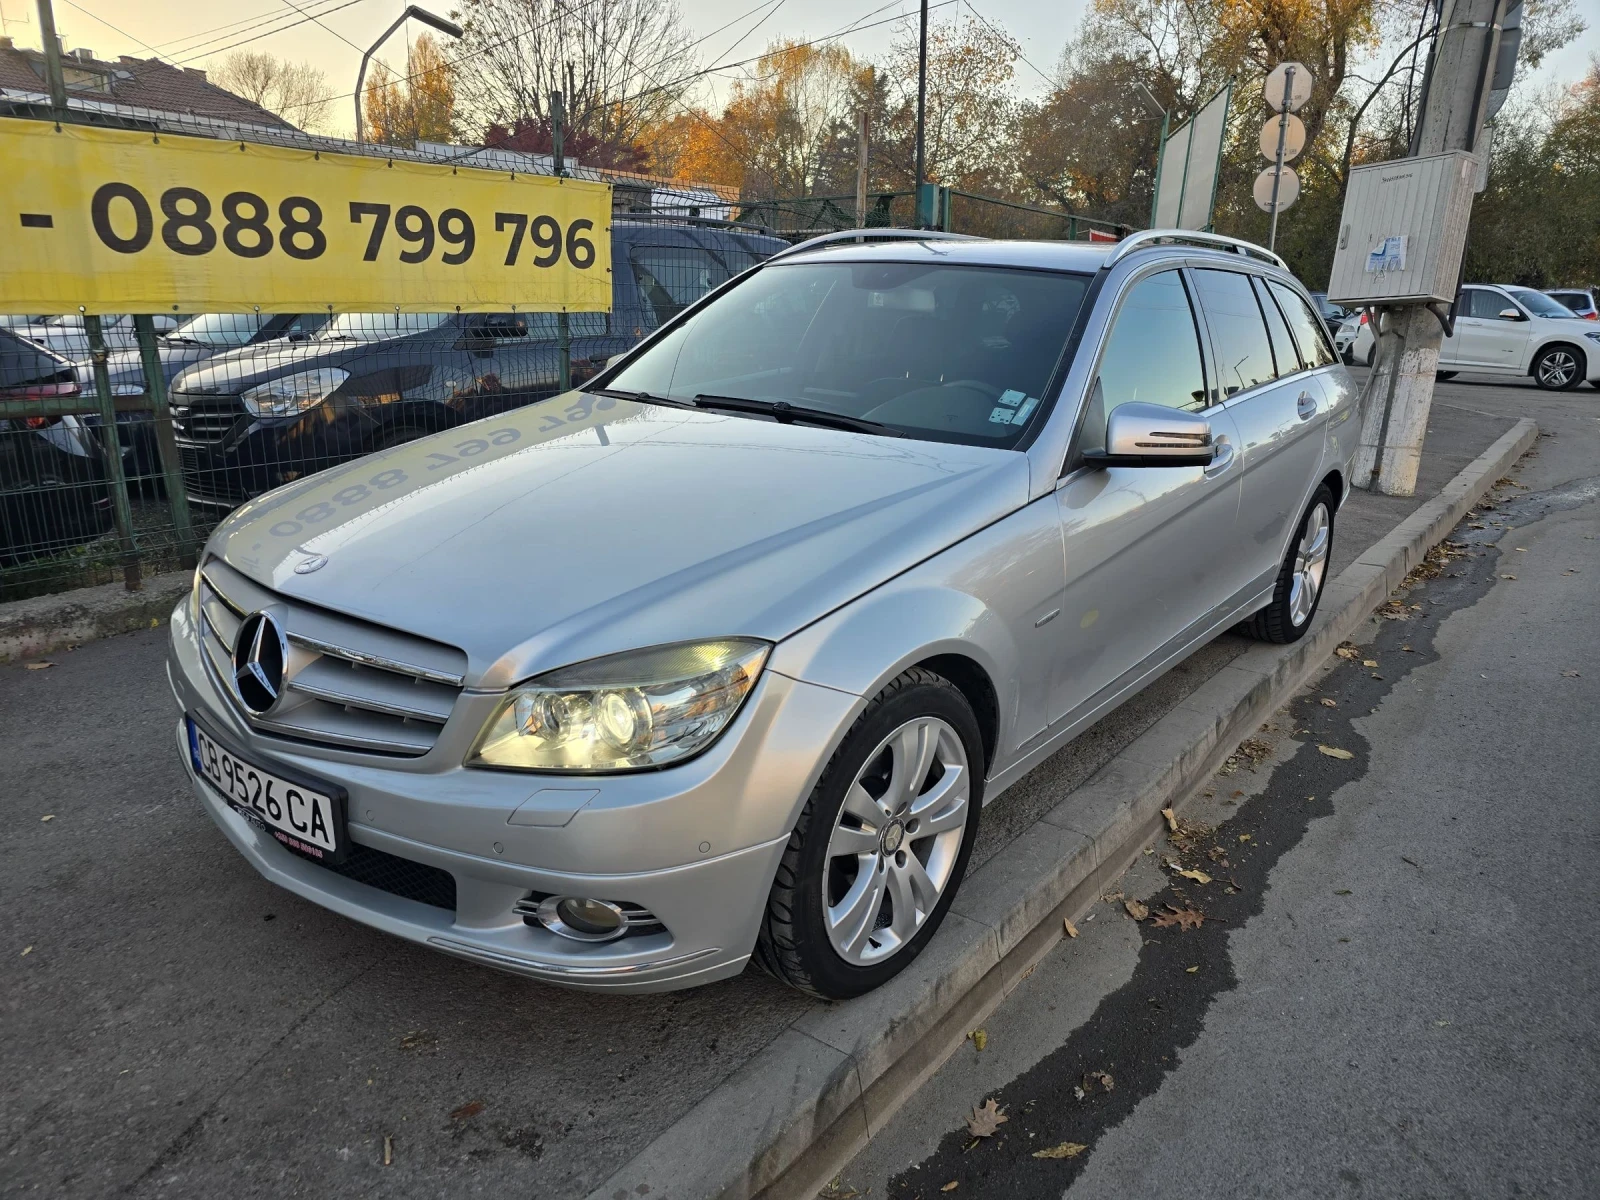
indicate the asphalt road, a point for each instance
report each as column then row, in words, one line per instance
column 172, row 1025
column 1392, row 993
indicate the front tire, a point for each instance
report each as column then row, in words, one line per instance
column 1301, row 578
column 882, row 844
column 1558, row 368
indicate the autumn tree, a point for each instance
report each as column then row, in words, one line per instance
column 420, row 107
column 624, row 66
column 297, row 92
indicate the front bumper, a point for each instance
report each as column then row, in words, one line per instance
column 697, row 845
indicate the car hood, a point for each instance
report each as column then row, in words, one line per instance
column 586, row 525
column 126, row 367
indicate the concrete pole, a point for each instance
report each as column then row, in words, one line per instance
column 861, row 172
column 1409, row 337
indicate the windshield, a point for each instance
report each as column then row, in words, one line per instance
column 946, row 353
column 1538, row 303
column 221, row 330
column 377, row 327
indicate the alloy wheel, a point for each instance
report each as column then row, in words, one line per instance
column 1310, row 565
column 896, row 840
column 1557, row 369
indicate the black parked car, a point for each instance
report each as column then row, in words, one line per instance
column 53, row 493
column 1332, row 315
column 251, row 419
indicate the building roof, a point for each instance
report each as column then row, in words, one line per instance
column 146, row 83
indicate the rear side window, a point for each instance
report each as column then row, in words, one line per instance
column 1153, row 355
column 1283, row 351
column 1309, row 331
column 1238, row 331
column 671, row 278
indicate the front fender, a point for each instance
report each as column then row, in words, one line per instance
column 987, row 599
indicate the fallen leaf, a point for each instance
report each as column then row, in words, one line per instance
column 1078, row 1093
column 1172, row 820
column 1412, row 861
column 26, row 950
column 1111, row 897
column 1244, row 837
column 418, row 1039
column 1441, row 1024
column 470, row 1109
column 1343, row 892
column 1569, row 675
column 388, row 1150
column 1072, row 930
column 40, row 666
column 979, row 1039
column 1508, row 577
column 1326, row 703
column 1369, row 662
column 1180, row 918
column 1520, row 549
column 1236, row 795
column 1348, row 652
column 986, row 1119
column 1136, row 910
column 1190, row 970
column 951, row 1186
column 1102, row 1078
column 1335, row 752
column 48, row 817
column 1064, row 1150
column 1197, row 876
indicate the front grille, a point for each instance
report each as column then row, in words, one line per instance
column 208, row 483
column 197, row 418
column 347, row 683
column 397, row 876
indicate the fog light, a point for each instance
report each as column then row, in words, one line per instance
column 582, row 919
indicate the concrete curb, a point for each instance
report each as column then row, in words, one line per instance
column 29, row 628
column 788, row 1120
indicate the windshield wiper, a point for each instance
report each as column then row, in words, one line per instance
column 783, row 412
column 179, row 339
column 645, row 397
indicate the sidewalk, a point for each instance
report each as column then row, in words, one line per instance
column 181, row 1028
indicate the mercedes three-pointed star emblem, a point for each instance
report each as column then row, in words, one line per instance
column 260, row 657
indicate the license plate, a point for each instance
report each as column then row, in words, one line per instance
column 307, row 819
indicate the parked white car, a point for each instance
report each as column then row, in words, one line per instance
column 1502, row 330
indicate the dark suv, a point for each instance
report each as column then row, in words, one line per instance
column 251, row 419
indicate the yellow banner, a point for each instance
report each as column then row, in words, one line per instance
column 117, row 221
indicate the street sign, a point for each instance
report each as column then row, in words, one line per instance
column 114, row 221
column 1288, row 188
column 1294, row 137
column 1299, row 88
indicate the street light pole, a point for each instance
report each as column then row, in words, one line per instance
column 412, row 12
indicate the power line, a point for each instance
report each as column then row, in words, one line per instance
column 190, row 55
column 1001, row 33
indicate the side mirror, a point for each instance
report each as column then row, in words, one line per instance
column 1510, row 314
column 1152, row 435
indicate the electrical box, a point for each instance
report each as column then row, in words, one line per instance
column 1403, row 231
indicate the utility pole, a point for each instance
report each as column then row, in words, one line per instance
column 922, row 102
column 1454, row 101
column 1283, row 134
column 861, row 170
column 52, row 60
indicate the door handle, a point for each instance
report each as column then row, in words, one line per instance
column 1306, row 406
column 1222, row 459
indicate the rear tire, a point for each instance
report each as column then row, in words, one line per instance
column 1301, row 579
column 879, row 852
column 1559, row 368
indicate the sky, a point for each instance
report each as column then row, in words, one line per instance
column 197, row 35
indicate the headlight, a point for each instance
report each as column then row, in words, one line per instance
column 293, row 393
column 1594, row 336
column 646, row 708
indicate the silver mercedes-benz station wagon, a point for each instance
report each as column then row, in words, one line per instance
column 718, row 657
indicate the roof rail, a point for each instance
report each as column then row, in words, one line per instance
column 876, row 235
column 1193, row 237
